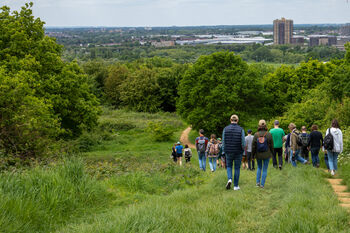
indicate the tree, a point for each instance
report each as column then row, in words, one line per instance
column 59, row 89
column 217, row 86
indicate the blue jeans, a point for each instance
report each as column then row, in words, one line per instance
column 297, row 157
column 314, row 156
column 212, row 163
column 263, row 164
column 333, row 160
column 202, row 160
column 326, row 160
column 229, row 163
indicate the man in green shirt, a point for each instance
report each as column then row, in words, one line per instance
column 277, row 135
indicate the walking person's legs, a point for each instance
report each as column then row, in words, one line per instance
column 264, row 172
column 258, row 172
column 214, row 163
column 330, row 161
column 274, row 160
column 202, row 160
column 249, row 158
column 237, row 172
column 335, row 160
column 292, row 159
column 326, row 160
column 280, row 158
column 229, row 163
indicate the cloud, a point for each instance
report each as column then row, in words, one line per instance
column 184, row 12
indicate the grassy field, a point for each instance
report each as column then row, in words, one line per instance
column 294, row 200
column 121, row 180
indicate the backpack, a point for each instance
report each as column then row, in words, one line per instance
column 299, row 138
column 201, row 145
column 262, row 143
column 328, row 141
column 304, row 140
column 187, row 153
column 214, row 149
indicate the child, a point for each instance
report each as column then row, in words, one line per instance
column 188, row 153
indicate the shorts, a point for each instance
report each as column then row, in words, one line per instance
column 244, row 159
column 178, row 155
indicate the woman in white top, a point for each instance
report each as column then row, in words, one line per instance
column 337, row 146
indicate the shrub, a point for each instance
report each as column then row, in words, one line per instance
column 159, row 131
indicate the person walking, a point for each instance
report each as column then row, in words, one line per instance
column 248, row 148
column 221, row 155
column 233, row 144
column 173, row 153
column 305, row 139
column 201, row 146
column 188, row 153
column 277, row 135
column 295, row 146
column 315, row 144
column 333, row 153
column 212, row 152
column 287, row 148
column 262, row 149
column 179, row 149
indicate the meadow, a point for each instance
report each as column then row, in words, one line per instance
column 119, row 179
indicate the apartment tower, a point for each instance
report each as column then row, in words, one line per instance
column 282, row 31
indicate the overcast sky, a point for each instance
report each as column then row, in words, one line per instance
column 184, row 12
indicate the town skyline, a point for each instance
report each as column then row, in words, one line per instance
column 165, row 13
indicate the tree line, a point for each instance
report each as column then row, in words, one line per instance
column 44, row 99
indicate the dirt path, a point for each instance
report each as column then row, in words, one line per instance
column 184, row 138
column 340, row 190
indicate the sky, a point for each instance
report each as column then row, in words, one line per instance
column 133, row 13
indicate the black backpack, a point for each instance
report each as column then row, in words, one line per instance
column 304, row 139
column 328, row 141
column 299, row 138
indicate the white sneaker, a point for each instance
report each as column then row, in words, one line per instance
column 236, row 188
column 228, row 185
column 332, row 173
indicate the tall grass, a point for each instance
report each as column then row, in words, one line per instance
column 41, row 199
column 294, row 200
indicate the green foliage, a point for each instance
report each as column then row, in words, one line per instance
column 117, row 74
column 27, row 124
column 148, row 85
column 42, row 97
column 216, row 87
column 159, row 131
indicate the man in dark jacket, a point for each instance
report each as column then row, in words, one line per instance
column 233, row 144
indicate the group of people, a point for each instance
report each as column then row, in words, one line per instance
column 235, row 148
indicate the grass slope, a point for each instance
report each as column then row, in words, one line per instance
column 294, row 200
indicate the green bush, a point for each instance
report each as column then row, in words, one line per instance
column 159, row 131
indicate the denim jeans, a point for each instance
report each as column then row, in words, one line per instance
column 326, row 160
column 263, row 164
column 333, row 160
column 297, row 158
column 314, row 156
column 229, row 164
column 212, row 163
column 202, row 160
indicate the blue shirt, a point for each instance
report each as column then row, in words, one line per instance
column 179, row 149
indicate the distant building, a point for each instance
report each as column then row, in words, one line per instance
column 282, row 31
column 298, row 40
column 342, row 40
column 316, row 40
column 160, row 44
column 345, row 30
